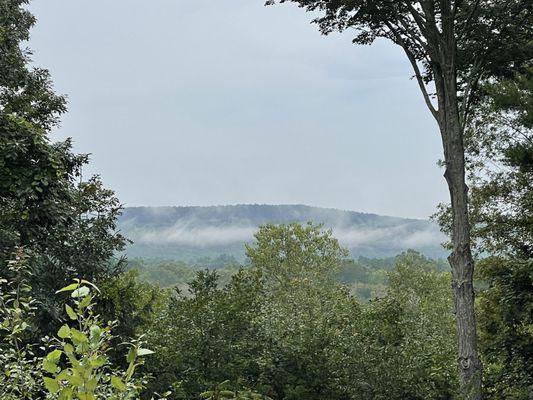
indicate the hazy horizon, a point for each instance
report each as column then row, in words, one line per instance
column 175, row 232
column 192, row 102
column 273, row 205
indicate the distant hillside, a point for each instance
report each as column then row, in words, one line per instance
column 190, row 233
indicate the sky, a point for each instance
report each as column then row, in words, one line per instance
column 210, row 102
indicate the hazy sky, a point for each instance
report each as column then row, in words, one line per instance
column 207, row 102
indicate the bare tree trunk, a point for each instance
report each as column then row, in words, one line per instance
column 461, row 261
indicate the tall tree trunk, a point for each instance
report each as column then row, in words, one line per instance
column 461, row 261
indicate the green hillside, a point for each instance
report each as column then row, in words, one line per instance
column 191, row 233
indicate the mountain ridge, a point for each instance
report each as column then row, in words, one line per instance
column 188, row 232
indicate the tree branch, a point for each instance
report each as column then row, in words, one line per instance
column 401, row 42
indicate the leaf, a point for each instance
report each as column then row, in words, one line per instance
column 86, row 301
column 63, row 375
column 78, row 336
column 69, row 288
column 72, row 315
column 86, row 396
column 131, row 355
column 95, row 333
column 90, row 284
column 75, row 380
column 143, row 352
column 82, row 291
column 91, row 384
column 66, row 393
column 69, row 349
column 63, row 332
column 54, row 356
column 51, row 385
column 98, row 362
column 49, row 366
column 117, row 383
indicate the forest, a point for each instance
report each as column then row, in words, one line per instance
column 299, row 319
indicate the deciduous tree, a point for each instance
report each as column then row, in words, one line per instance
column 452, row 45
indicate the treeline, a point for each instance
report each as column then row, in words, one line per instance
column 75, row 323
column 288, row 329
column 364, row 277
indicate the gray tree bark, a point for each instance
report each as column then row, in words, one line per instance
column 461, row 260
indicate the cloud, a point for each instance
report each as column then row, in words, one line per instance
column 400, row 237
column 185, row 235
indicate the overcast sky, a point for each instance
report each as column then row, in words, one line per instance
column 209, row 102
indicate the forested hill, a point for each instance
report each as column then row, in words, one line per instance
column 190, row 233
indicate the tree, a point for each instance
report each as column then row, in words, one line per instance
column 451, row 45
column 500, row 154
column 284, row 253
column 67, row 225
column 304, row 309
column 208, row 336
column 401, row 345
column 500, row 167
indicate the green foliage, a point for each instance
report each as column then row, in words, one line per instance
column 303, row 308
column 177, row 274
column 133, row 305
column 206, row 337
column 401, row 346
column 76, row 365
column 67, row 224
column 505, row 314
column 20, row 378
column 366, row 277
column 83, row 343
column 228, row 391
column 285, row 254
column 499, row 153
column 290, row 330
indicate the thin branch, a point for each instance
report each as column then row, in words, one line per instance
column 430, row 28
column 471, row 83
column 419, row 18
column 416, row 69
column 413, row 37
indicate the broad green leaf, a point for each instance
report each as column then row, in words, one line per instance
column 54, row 356
column 49, row 366
column 95, row 333
column 51, row 385
column 69, row 349
column 72, row 315
column 63, row 375
column 78, row 336
column 86, row 301
column 98, row 362
column 63, row 332
column 91, row 384
column 68, row 288
column 75, row 380
column 117, row 383
column 82, row 291
column 131, row 355
column 66, row 393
